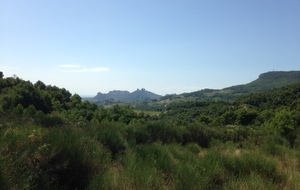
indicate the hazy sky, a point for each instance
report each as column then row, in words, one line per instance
column 164, row 46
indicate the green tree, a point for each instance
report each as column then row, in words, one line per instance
column 30, row 110
column 229, row 118
column 75, row 99
column 246, row 116
column 122, row 114
column 100, row 115
column 40, row 85
column 18, row 109
column 284, row 124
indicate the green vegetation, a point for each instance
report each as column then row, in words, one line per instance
column 265, row 82
column 51, row 139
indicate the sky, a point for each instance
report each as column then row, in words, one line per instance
column 164, row 46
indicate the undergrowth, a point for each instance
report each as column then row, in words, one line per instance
column 145, row 156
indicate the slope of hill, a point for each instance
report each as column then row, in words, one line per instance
column 268, row 81
column 265, row 82
column 125, row 96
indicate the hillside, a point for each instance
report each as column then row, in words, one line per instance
column 125, row 96
column 268, row 81
column 243, row 107
column 265, row 82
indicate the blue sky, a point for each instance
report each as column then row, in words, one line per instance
column 164, row 46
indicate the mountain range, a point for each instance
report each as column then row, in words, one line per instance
column 125, row 96
column 265, row 81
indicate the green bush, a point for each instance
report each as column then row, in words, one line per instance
column 198, row 134
column 33, row 158
column 48, row 120
column 246, row 164
column 273, row 149
column 157, row 155
column 139, row 135
column 166, row 132
column 112, row 138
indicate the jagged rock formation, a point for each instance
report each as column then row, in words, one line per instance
column 125, row 96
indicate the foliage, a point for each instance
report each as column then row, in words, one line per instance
column 51, row 139
column 284, row 124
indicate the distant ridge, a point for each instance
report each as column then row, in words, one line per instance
column 125, row 96
column 266, row 81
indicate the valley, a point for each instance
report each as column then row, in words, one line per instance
column 240, row 137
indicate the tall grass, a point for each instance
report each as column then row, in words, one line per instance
column 35, row 158
column 115, row 156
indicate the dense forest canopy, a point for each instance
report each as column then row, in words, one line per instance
column 52, row 139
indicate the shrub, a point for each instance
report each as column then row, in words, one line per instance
column 141, row 135
column 48, row 120
column 112, row 138
column 249, row 163
column 71, row 159
column 37, row 158
column 198, row 134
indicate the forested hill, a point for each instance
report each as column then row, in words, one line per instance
column 255, row 108
column 268, row 81
column 265, row 82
